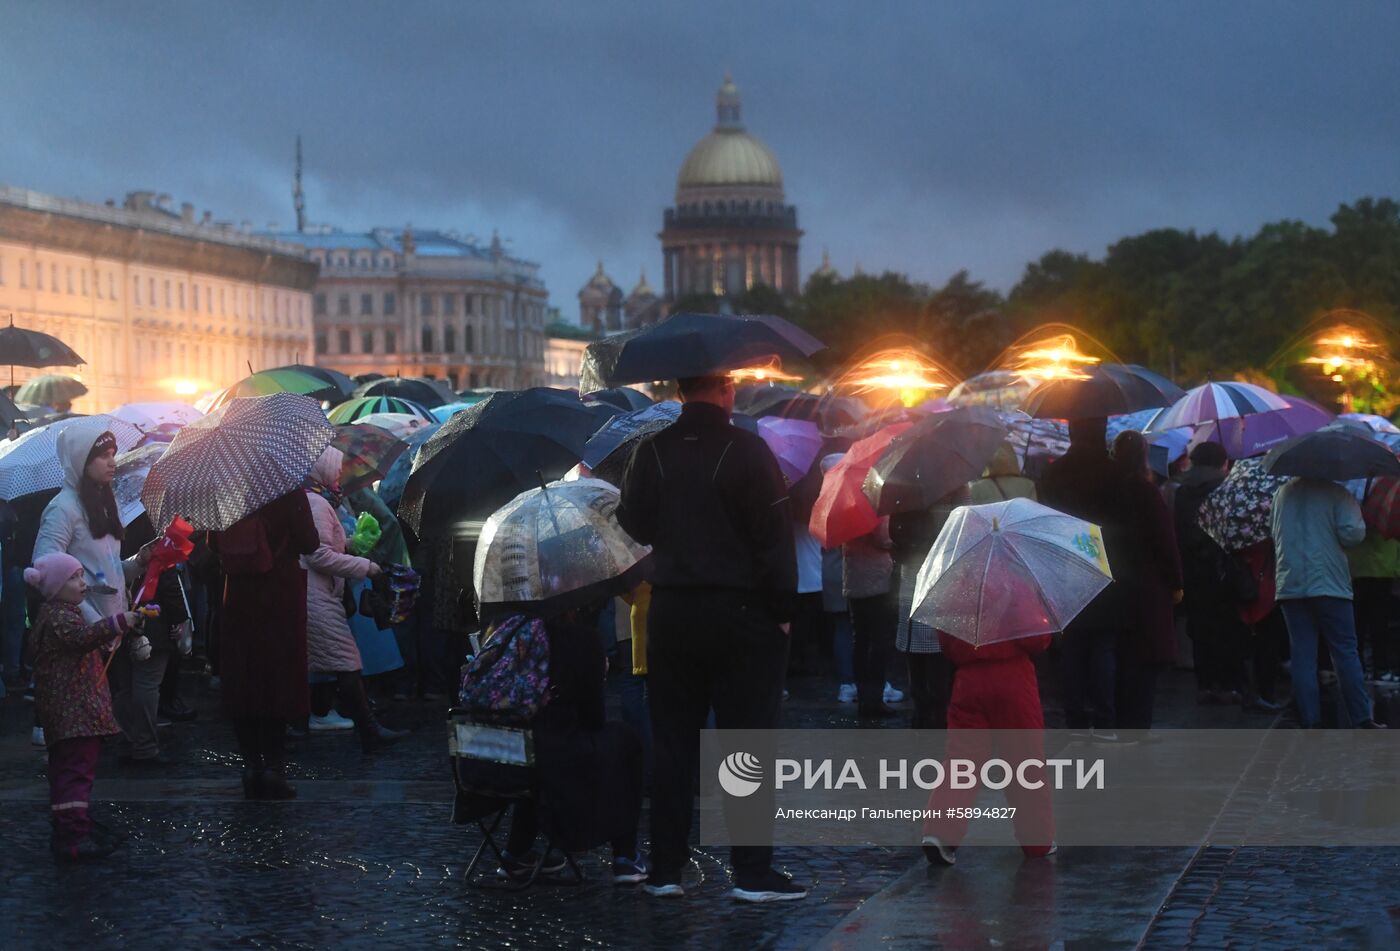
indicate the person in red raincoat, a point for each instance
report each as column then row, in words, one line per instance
column 994, row 688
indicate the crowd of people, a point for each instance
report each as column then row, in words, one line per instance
column 739, row 596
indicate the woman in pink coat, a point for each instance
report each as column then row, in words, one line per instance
column 330, row 644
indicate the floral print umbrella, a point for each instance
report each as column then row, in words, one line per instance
column 1239, row 512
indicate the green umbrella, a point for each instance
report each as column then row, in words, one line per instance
column 281, row 380
column 49, row 389
column 352, row 410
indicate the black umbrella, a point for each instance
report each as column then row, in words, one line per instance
column 30, row 348
column 1110, row 389
column 932, row 458
column 339, row 386
column 687, row 345
column 423, row 392
column 487, row 454
column 9, row 412
column 624, row 398
column 1337, row 452
column 599, row 359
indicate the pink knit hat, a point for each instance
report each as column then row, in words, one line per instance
column 51, row 571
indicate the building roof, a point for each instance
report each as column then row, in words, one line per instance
column 426, row 242
column 569, row 331
column 729, row 155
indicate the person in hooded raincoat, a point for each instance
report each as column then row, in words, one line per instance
column 83, row 521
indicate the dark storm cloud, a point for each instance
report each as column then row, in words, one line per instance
column 923, row 137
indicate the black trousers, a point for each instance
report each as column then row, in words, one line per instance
column 261, row 741
column 873, row 622
column 1089, row 658
column 1219, row 644
column 1373, row 605
column 931, row 689
column 707, row 649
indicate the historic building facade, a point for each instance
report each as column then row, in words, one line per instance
column 602, row 309
column 730, row 227
column 426, row 303
column 162, row 305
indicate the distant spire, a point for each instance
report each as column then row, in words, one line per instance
column 298, row 197
column 727, row 105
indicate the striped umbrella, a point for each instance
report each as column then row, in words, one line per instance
column 31, row 462
column 1215, row 401
column 283, row 380
column 352, row 411
column 368, row 453
column 237, row 459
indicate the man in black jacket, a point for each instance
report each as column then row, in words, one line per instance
column 710, row 500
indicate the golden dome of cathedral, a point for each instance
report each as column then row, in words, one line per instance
column 729, row 156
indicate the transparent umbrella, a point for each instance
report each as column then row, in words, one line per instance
column 554, row 548
column 1008, row 570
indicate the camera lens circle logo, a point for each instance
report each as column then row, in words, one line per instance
column 740, row 774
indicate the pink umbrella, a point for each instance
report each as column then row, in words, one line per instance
column 795, row 444
column 842, row 511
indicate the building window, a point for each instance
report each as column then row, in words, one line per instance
column 426, row 344
column 194, row 295
column 167, row 295
column 318, row 305
column 425, row 305
column 467, row 342
column 111, row 285
column 209, row 300
column 135, row 287
column 53, row 278
column 23, row 273
column 152, row 288
column 343, row 339
column 81, row 274
column 449, row 339
column 180, row 294
column 449, row 305
column 222, row 309
column 321, row 341
column 69, row 275
column 367, row 341
column 342, row 305
column 390, row 304
column 391, row 343
column 366, row 303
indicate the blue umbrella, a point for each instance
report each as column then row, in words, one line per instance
column 391, row 486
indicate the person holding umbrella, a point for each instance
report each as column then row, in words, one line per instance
column 710, row 500
column 83, row 521
column 1085, row 484
column 1314, row 520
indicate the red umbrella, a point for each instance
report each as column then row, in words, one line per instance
column 1382, row 506
column 842, row 512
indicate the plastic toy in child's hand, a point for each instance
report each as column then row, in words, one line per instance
column 149, row 612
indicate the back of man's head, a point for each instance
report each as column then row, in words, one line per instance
column 1209, row 455
column 706, row 388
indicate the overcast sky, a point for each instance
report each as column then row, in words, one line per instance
column 924, row 137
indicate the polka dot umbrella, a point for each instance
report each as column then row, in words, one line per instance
column 237, row 459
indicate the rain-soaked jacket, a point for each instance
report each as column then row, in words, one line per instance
column 1313, row 521
column 64, row 527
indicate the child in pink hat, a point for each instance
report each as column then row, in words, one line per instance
column 71, row 699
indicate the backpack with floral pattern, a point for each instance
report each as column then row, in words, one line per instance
column 509, row 677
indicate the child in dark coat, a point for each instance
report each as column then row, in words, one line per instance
column 71, row 699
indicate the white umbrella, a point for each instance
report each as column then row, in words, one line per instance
column 556, row 547
column 31, row 463
column 1008, row 570
column 401, row 425
column 148, row 416
column 132, row 469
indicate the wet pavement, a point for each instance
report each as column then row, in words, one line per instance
column 367, row 857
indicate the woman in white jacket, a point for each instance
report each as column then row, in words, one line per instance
column 82, row 521
column 330, row 644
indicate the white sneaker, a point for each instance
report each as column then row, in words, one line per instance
column 892, row 695
column 331, row 721
column 846, row 693
column 36, row 738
